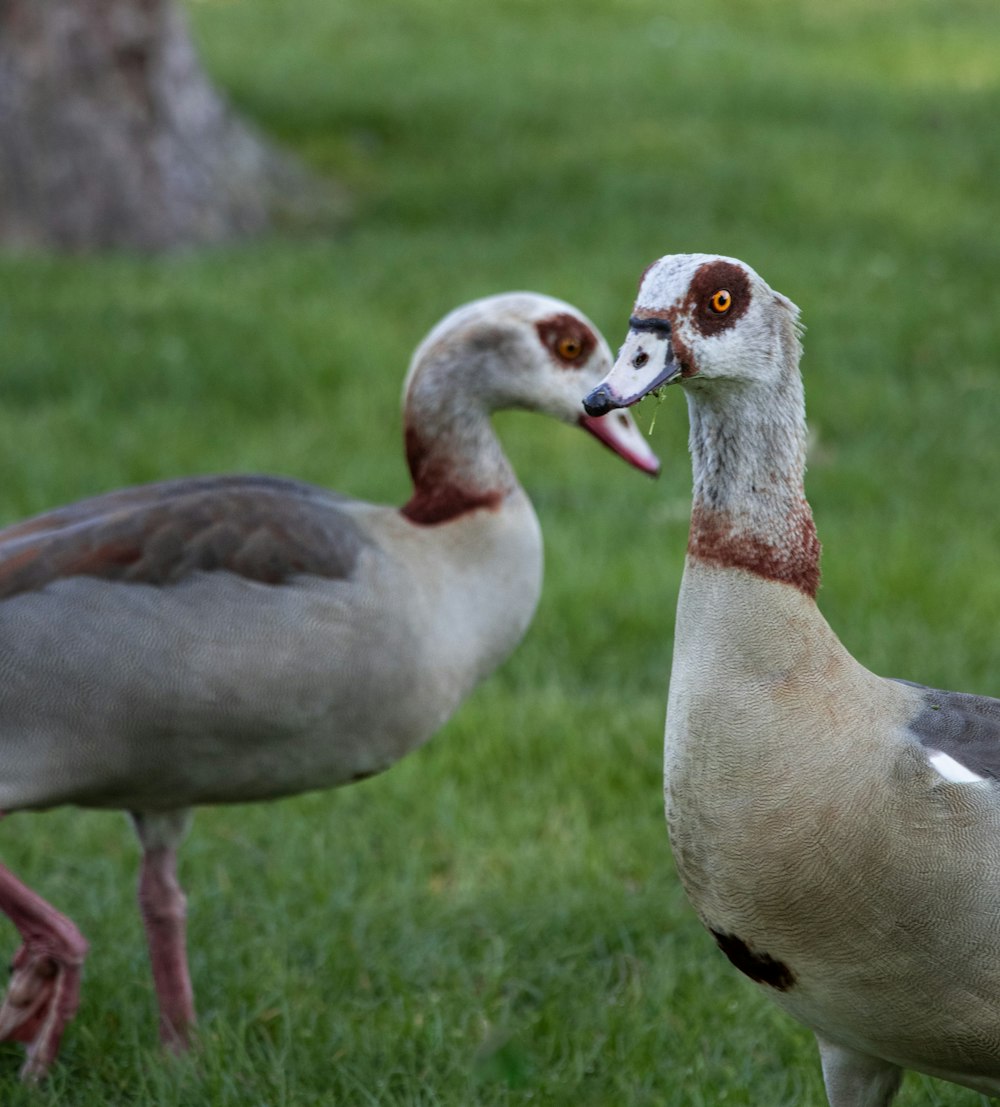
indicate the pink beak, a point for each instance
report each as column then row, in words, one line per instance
column 617, row 430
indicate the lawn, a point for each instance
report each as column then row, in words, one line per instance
column 496, row 921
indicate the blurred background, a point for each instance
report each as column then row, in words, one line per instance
column 225, row 226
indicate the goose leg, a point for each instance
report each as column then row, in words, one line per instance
column 44, row 989
column 164, row 910
column 856, row 1079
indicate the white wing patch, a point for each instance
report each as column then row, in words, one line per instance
column 951, row 769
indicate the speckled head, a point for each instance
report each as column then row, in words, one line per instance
column 697, row 316
column 513, row 350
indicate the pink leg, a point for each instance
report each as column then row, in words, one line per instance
column 164, row 910
column 44, row 989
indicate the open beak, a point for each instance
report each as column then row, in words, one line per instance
column 646, row 362
column 619, row 433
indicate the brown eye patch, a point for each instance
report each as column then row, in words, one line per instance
column 702, row 303
column 568, row 339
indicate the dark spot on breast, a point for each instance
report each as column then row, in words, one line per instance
column 761, row 967
column 568, row 339
column 714, row 538
column 709, row 279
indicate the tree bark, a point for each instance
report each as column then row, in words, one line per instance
column 111, row 136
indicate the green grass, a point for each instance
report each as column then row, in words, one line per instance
column 496, row 921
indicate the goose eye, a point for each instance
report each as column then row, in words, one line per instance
column 721, row 301
column 569, row 349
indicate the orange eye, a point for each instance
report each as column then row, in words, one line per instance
column 721, row 301
column 569, row 349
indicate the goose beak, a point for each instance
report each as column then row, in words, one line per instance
column 619, row 433
column 646, row 362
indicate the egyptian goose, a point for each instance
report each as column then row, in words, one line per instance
column 234, row 638
column 836, row 832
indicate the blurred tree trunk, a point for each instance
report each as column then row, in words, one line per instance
column 111, row 136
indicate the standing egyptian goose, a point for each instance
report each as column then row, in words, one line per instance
column 838, row 833
column 236, row 638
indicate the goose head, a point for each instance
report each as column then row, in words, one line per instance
column 516, row 350
column 700, row 319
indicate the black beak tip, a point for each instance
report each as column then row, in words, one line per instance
column 599, row 402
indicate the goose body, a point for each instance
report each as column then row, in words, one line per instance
column 838, row 874
column 311, row 681
column 236, row 638
column 838, row 833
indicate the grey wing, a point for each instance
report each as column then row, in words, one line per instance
column 184, row 643
column 964, row 726
column 262, row 528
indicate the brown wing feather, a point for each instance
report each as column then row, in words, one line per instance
column 262, row 528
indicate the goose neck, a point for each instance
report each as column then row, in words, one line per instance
column 749, row 507
column 455, row 459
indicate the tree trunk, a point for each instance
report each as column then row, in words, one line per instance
column 111, row 136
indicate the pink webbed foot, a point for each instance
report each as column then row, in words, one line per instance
column 44, row 989
column 41, row 999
